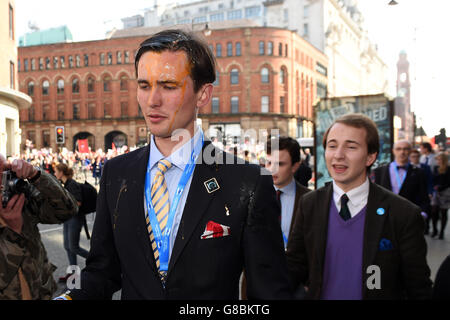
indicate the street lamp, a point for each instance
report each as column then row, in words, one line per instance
column 207, row 31
column 392, row 3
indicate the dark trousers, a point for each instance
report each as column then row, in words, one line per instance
column 71, row 232
column 436, row 215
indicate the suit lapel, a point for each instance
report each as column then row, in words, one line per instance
column 373, row 227
column 197, row 202
column 136, row 187
column 320, row 224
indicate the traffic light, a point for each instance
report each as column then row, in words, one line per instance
column 60, row 135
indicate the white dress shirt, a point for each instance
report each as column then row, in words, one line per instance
column 357, row 197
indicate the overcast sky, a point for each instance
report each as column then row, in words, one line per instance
column 419, row 27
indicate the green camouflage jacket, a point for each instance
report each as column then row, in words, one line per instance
column 54, row 205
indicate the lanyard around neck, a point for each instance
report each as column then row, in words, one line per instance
column 162, row 237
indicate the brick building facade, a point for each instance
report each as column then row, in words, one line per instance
column 267, row 78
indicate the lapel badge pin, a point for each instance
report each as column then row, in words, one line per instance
column 380, row 211
column 211, row 185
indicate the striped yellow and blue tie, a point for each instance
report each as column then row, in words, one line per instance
column 160, row 201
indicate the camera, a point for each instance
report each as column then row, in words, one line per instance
column 12, row 185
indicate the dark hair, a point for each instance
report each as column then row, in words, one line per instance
column 285, row 143
column 200, row 57
column 64, row 168
column 414, row 151
column 360, row 121
column 427, row 146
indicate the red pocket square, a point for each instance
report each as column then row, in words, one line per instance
column 215, row 230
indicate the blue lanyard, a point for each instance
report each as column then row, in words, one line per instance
column 397, row 176
column 162, row 238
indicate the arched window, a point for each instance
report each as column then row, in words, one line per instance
column 106, row 83
column 45, row 87
column 75, row 85
column 234, row 76
column 265, row 75
column 31, row 88
column 282, row 77
column 90, row 84
column 123, row 83
column 60, row 86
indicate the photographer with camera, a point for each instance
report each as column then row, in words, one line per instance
column 25, row 272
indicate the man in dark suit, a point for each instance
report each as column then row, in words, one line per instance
column 227, row 215
column 354, row 239
column 404, row 179
column 283, row 161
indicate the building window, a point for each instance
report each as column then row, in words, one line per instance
column 229, row 49
column 217, row 17
column 30, row 88
column 286, row 50
column 70, row 62
column 76, row 111
column 234, row 76
column 46, row 138
column 201, row 19
column 127, row 57
column 218, row 50
column 107, row 110
column 280, row 49
column 234, row 15
column 217, row 81
column 106, row 84
column 109, row 58
column 261, row 48
column 45, row 87
column 119, row 57
column 234, row 104
column 75, row 86
column 238, row 49
column 60, row 112
column 25, row 64
column 41, row 63
column 305, row 30
column 47, row 63
column 124, row 109
column 281, row 104
column 46, row 112
column 18, row 65
column 86, row 60
column 12, row 72
column 215, row 108
column 123, row 83
column 265, row 75
column 55, row 62
column 63, row 63
column 33, row 64
column 90, row 84
column 60, row 86
column 11, row 22
column 252, row 12
column 31, row 113
column 270, row 48
column 91, row 110
column 102, row 59
column 265, row 104
column 77, row 61
column 282, row 77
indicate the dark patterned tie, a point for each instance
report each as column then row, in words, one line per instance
column 345, row 212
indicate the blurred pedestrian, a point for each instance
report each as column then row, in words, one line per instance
column 404, row 179
column 72, row 227
column 427, row 155
column 441, row 185
column 97, row 168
